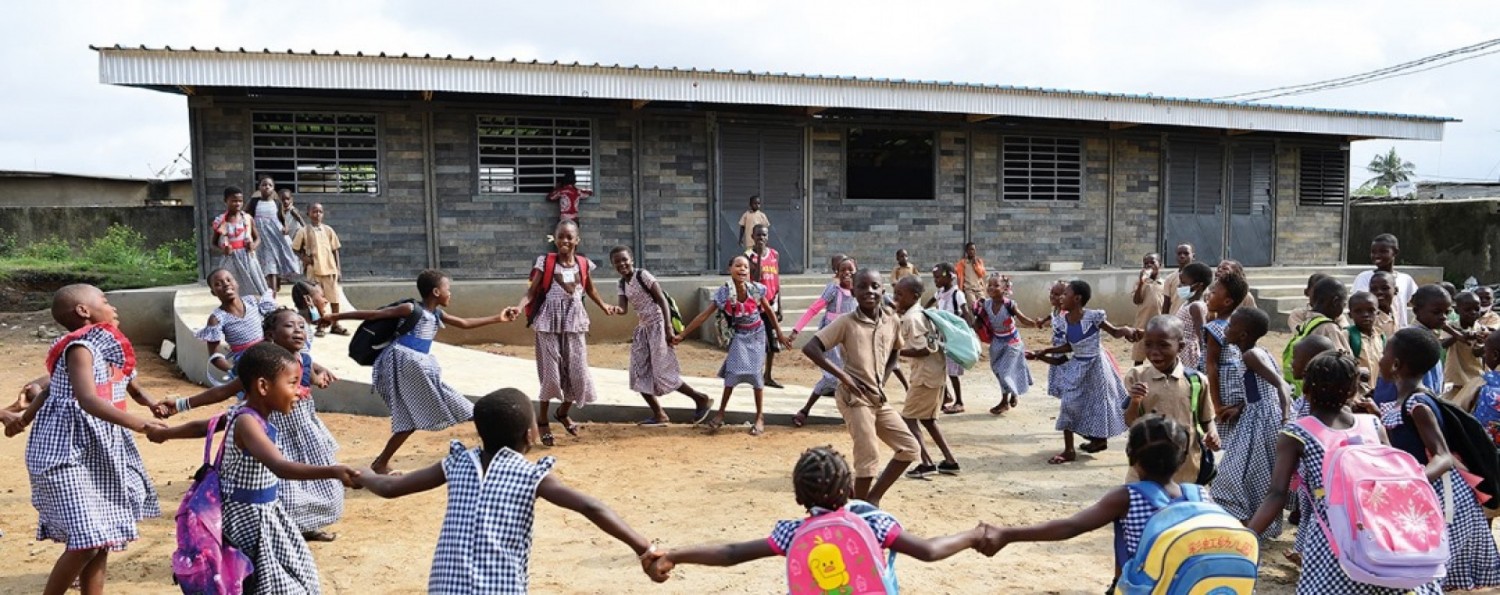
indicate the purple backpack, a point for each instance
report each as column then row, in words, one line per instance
column 204, row 563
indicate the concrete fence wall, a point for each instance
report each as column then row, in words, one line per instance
column 78, row 224
column 1462, row 236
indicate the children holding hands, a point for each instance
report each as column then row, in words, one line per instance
column 1087, row 382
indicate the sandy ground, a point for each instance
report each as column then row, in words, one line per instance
column 674, row 485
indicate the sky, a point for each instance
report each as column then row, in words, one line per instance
column 56, row 116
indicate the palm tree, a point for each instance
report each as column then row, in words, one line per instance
column 1389, row 169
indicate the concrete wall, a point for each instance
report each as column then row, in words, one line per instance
column 79, row 224
column 53, row 190
column 1305, row 234
column 1462, row 236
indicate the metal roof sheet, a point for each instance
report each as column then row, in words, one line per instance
column 143, row 66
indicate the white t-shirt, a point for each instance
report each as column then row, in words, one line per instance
column 951, row 300
column 1405, row 287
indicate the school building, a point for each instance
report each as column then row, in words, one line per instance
column 444, row 161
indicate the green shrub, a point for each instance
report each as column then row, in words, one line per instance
column 52, row 248
column 120, row 246
column 176, row 255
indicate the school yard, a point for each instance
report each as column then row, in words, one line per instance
column 675, row 485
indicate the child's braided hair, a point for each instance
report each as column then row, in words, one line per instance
column 822, row 478
column 1159, row 445
column 268, row 322
column 1331, row 379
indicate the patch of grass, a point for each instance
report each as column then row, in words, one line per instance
column 117, row 260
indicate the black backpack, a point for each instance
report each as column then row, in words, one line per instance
column 1468, row 441
column 373, row 336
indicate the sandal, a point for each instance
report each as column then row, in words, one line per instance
column 800, row 419
column 1094, row 446
column 568, row 425
column 1014, row 401
column 757, row 429
column 713, row 425
column 322, row 536
column 700, row 413
column 953, row 409
column 651, row 422
column 1061, row 458
column 1001, row 408
column 772, row 383
column 339, row 330
column 546, row 434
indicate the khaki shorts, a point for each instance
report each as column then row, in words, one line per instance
column 869, row 426
column 923, row 402
column 330, row 286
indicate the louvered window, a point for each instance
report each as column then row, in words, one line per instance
column 1041, row 168
column 317, row 153
column 1323, row 179
column 1250, row 179
column 890, row 164
column 1195, row 178
column 525, row 155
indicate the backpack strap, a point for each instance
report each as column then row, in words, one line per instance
column 208, row 441
column 1195, row 394
column 1152, row 492
column 583, row 271
column 1356, row 340
column 1191, row 492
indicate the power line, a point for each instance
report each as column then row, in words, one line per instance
column 1442, row 59
column 1369, row 80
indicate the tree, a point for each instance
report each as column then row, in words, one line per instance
column 1389, row 169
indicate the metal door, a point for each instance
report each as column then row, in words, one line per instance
column 764, row 160
column 1250, row 202
column 1195, row 199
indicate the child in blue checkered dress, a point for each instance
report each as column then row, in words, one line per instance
column 1156, row 447
column 823, row 483
column 484, row 546
column 88, row 483
column 251, row 473
column 1087, row 382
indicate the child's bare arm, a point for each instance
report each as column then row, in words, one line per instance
column 252, row 437
column 553, row 490
column 396, row 486
column 1439, row 460
column 1114, row 505
column 770, row 314
column 1211, row 369
column 396, row 311
column 468, row 323
column 1120, row 332
column 1288, row 452
column 694, row 324
column 192, row 429
column 593, row 293
column 1025, row 320
column 29, row 392
column 724, row 554
column 217, row 394
column 1271, row 375
column 937, row 548
column 322, row 377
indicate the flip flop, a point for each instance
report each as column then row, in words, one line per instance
column 773, row 384
column 701, row 412
column 651, row 422
column 1061, row 458
column 713, row 425
column 756, row 430
column 800, row 419
column 568, row 425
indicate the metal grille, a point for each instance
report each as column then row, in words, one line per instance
column 1195, row 178
column 322, row 153
column 1250, row 179
column 1041, row 168
column 526, row 155
column 1323, row 179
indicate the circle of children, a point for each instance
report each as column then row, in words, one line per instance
column 1392, row 489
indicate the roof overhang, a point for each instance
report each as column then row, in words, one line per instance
column 183, row 70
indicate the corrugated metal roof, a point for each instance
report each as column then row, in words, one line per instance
column 215, row 67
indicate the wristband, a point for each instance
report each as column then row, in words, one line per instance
column 649, row 550
column 183, row 405
column 216, row 356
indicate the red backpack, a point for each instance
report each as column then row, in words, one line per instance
column 539, row 290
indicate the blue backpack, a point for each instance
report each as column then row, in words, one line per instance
column 1188, row 546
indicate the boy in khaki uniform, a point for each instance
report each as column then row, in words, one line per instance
column 929, row 371
column 319, row 247
column 869, row 338
column 1147, row 298
column 1163, row 387
column 1363, row 308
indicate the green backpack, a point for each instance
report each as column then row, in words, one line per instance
column 674, row 318
column 1286, row 354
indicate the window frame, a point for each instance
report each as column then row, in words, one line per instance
column 1083, row 166
column 1342, row 183
column 292, row 177
column 937, row 151
column 593, row 144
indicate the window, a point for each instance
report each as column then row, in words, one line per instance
column 890, row 164
column 317, row 152
column 1041, row 168
column 1323, row 180
column 520, row 155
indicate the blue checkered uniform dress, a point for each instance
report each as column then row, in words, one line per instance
column 264, row 531
column 411, row 383
column 1473, row 561
column 1090, row 388
column 838, row 302
column 88, row 483
column 747, row 346
column 1321, row 574
column 484, row 546
column 314, row 503
column 1007, row 351
column 1249, row 453
column 238, row 331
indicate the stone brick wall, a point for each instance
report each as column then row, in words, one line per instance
column 674, row 195
column 1304, row 234
column 871, row 231
column 1138, row 188
column 1018, row 234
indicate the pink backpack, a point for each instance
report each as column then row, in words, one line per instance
column 836, row 552
column 203, row 562
column 1385, row 524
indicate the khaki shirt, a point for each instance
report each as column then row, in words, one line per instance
column 1385, row 324
column 319, row 243
column 749, row 220
column 1151, row 302
column 918, row 332
column 1462, row 366
column 1170, row 395
column 1169, row 291
column 1339, row 335
column 1370, row 348
column 910, row 270
column 866, row 346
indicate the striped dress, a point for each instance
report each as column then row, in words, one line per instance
column 653, row 365
column 410, row 381
column 88, row 483
column 484, row 547
column 256, row 521
column 562, row 325
column 240, row 262
column 1007, row 351
column 315, row 503
column 275, row 254
column 747, row 346
column 1090, row 388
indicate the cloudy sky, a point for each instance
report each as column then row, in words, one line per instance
column 56, row 116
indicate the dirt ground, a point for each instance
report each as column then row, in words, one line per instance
column 673, row 484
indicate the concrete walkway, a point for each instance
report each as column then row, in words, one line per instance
column 476, row 373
